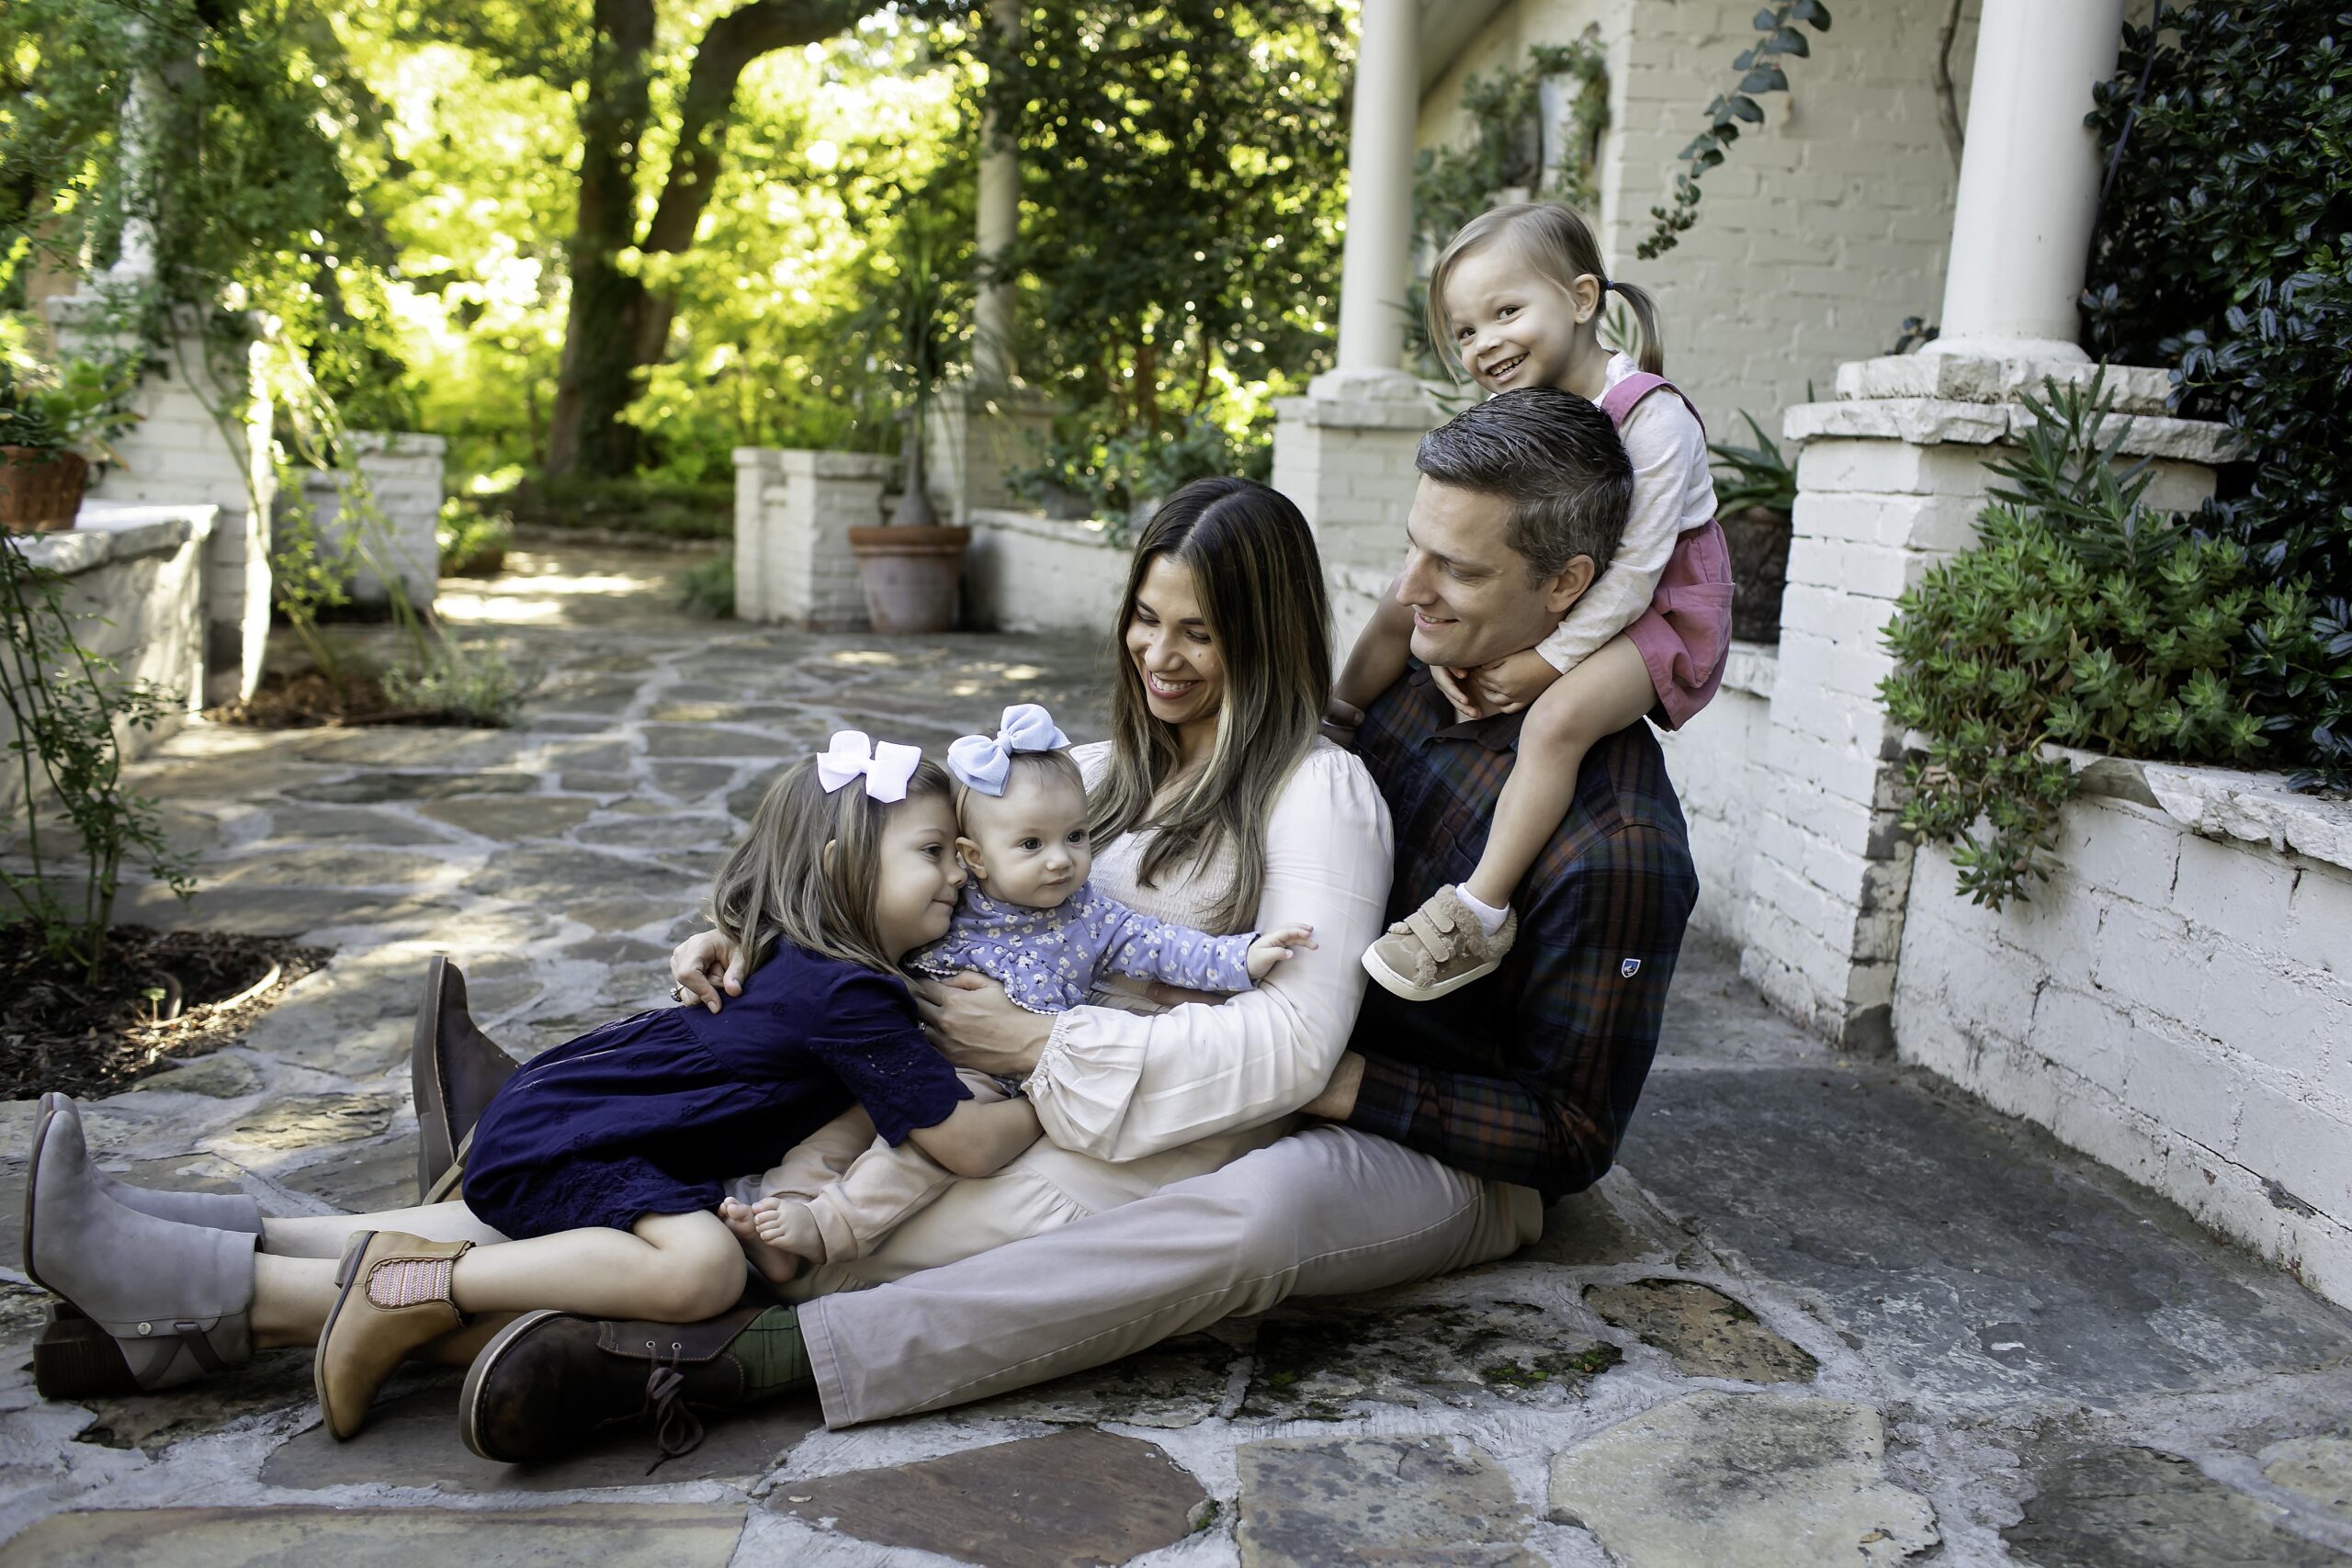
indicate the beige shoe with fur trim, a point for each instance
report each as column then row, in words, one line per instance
column 1438, row 948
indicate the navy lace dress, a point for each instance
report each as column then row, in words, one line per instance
column 651, row 1115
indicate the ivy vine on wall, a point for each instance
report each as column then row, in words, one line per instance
column 1759, row 75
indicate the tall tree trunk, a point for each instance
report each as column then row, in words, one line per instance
column 618, row 326
column 586, row 436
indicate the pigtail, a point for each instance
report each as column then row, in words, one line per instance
column 1649, row 342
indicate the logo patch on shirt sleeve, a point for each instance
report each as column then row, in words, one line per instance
column 1627, row 970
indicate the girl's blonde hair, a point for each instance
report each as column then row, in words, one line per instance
column 1253, row 564
column 1556, row 245
column 777, row 886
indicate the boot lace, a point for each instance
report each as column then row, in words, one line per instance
column 677, row 1430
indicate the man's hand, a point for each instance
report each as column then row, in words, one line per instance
column 976, row 1025
column 1338, row 1100
column 1513, row 681
column 705, row 964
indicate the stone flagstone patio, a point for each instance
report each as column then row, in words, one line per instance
column 1826, row 1312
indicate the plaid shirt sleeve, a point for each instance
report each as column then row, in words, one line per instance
column 1605, row 937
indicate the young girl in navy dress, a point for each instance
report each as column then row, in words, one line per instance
column 602, row 1161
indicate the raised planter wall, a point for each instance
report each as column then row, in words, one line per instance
column 1717, row 766
column 1028, row 573
column 135, row 583
column 2175, row 1002
column 793, row 512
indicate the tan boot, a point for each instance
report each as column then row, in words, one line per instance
column 395, row 1298
column 1438, row 948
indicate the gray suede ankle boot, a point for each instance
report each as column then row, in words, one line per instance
column 221, row 1210
column 177, row 1298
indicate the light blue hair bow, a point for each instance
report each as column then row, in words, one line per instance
column 981, row 761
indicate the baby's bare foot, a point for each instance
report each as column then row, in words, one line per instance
column 775, row 1266
column 787, row 1224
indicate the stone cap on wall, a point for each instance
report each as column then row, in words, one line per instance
column 1364, row 400
column 1094, row 533
column 2224, row 803
column 1927, row 422
column 1980, row 378
column 396, row 443
column 819, row 465
column 107, row 531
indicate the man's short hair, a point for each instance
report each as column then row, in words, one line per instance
column 1555, row 458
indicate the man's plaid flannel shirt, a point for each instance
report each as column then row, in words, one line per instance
column 1529, row 1075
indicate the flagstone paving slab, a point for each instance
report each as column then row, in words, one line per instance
column 2318, row 1468
column 666, row 1535
column 1708, row 1334
column 1714, row 1479
column 1412, row 1501
column 1076, row 1496
column 1320, row 1362
column 2132, row 1507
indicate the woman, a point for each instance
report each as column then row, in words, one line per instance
column 1216, row 805
column 1214, row 802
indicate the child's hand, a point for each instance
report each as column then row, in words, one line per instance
column 1509, row 683
column 1276, row 945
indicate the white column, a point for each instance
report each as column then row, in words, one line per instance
column 1000, row 221
column 1374, row 268
column 2028, row 180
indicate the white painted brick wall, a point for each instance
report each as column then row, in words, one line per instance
column 2172, row 1004
column 402, row 473
column 1716, row 765
column 1026, row 573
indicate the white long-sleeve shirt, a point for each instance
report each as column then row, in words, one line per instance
column 1132, row 1098
column 1673, row 493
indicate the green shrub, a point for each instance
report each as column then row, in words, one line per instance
column 709, row 588
column 2224, row 251
column 468, row 683
column 472, row 544
column 2083, row 619
column 662, row 508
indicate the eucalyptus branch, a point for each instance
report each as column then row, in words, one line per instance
column 1778, row 23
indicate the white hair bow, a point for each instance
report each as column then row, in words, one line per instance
column 886, row 767
column 981, row 761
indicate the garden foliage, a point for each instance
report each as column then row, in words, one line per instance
column 68, row 710
column 2083, row 619
column 2224, row 250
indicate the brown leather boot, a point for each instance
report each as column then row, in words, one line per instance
column 555, row 1381
column 455, row 1069
column 395, row 1298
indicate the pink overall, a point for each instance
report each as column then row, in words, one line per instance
column 1685, row 633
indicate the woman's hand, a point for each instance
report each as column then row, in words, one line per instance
column 705, row 964
column 976, row 1025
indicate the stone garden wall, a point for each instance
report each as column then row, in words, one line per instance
column 793, row 513
column 1028, row 573
column 136, row 583
column 1717, row 765
column 2176, row 1001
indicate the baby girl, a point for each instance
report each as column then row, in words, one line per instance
column 1029, row 919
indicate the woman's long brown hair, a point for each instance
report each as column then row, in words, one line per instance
column 778, row 884
column 1261, row 586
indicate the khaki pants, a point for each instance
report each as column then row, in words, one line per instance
column 1326, row 1212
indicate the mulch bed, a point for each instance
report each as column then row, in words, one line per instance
column 307, row 700
column 57, row 1032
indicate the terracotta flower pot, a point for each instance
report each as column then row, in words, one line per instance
column 910, row 576
column 40, row 489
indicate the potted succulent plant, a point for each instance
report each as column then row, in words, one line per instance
column 912, row 567
column 50, row 423
column 1756, row 495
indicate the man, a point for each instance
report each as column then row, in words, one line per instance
column 1448, row 1124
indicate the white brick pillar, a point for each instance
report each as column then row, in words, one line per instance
column 1344, row 456
column 793, row 513
column 202, row 436
column 1890, row 480
column 400, row 472
column 977, row 439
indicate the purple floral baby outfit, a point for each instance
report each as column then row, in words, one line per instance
column 1047, row 958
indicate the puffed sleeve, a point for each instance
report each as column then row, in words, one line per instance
column 870, row 1039
column 1120, row 1086
column 1666, row 446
